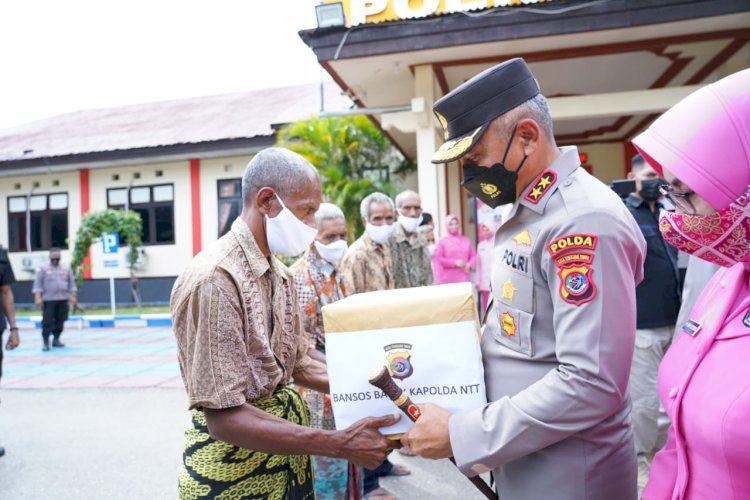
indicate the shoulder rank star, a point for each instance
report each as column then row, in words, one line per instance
column 540, row 186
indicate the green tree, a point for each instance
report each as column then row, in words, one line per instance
column 126, row 223
column 353, row 157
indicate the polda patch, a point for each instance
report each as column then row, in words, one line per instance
column 540, row 186
column 572, row 242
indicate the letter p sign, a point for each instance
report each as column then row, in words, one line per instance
column 110, row 242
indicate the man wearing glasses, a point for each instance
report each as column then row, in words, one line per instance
column 657, row 306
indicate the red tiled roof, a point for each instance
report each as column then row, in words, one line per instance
column 166, row 123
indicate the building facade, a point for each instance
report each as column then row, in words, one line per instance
column 177, row 163
column 608, row 68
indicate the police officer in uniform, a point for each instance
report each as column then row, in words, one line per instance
column 7, row 310
column 54, row 287
column 559, row 333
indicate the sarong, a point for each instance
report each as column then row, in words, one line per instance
column 215, row 469
column 335, row 478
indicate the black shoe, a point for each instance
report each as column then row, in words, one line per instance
column 46, row 347
column 57, row 343
column 2, row 451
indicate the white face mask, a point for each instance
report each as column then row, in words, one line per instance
column 331, row 252
column 286, row 234
column 431, row 248
column 410, row 224
column 380, row 234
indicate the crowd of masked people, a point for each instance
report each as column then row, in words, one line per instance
column 396, row 250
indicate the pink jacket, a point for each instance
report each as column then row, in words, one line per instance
column 448, row 250
column 704, row 384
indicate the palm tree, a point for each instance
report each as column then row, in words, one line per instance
column 353, row 157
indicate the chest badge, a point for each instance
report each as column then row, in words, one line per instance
column 692, row 328
column 508, row 323
column 509, row 290
column 523, row 239
column 746, row 321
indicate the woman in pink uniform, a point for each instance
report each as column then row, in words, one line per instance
column 454, row 256
column 702, row 146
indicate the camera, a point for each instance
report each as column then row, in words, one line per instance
column 623, row 187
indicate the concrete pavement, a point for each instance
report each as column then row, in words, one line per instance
column 104, row 417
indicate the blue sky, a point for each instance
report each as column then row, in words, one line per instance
column 60, row 56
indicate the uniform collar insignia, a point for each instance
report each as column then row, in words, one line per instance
column 540, row 186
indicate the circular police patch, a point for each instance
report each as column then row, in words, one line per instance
column 576, row 283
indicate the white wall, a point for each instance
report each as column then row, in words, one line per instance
column 161, row 260
column 212, row 170
column 67, row 182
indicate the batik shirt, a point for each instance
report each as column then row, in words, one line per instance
column 410, row 259
column 237, row 323
column 318, row 283
column 366, row 267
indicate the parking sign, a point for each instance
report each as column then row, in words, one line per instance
column 110, row 247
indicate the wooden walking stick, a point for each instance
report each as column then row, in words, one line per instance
column 382, row 379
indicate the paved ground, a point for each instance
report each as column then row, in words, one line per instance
column 104, row 417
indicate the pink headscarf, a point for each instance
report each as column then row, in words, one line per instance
column 448, row 219
column 704, row 140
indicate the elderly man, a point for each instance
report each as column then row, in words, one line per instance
column 367, row 267
column 409, row 255
column 367, row 264
column 559, row 333
column 318, row 283
column 241, row 344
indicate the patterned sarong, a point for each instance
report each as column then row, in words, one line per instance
column 335, row 478
column 215, row 469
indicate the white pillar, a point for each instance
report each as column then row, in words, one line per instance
column 430, row 177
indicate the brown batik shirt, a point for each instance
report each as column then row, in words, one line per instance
column 237, row 323
column 366, row 267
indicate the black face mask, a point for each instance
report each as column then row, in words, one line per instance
column 650, row 189
column 55, row 261
column 495, row 185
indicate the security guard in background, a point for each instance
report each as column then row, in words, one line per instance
column 560, row 331
column 7, row 309
column 54, row 287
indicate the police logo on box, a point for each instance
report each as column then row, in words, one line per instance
column 399, row 360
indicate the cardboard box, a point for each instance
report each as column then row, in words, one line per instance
column 427, row 336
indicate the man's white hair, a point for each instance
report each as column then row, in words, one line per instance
column 364, row 207
column 281, row 169
column 535, row 108
column 403, row 194
column 328, row 211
